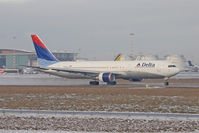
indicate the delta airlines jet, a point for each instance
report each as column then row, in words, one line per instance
column 101, row 71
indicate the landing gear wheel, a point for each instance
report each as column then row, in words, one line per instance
column 166, row 83
column 94, row 83
column 111, row 83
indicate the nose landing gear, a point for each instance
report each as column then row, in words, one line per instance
column 97, row 83
column 166, row 82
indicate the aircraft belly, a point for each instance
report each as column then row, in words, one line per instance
column 143, row 75
column 124, row 75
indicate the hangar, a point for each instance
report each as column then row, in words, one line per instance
column 15, row 59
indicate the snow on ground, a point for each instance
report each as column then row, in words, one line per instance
column 94, row 123
column 38, row 131
column 133, row 103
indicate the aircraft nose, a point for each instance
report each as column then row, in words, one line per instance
column 176, row 70
column 173, row 72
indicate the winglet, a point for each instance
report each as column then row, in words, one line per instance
column 45, row 57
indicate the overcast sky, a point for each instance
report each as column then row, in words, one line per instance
column 100, row 28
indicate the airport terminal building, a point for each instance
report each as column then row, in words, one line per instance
column 15, row 59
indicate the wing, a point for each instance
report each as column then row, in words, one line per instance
column 84, row 72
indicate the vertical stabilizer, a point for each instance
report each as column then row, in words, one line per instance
column 118, row 57
column 45, row 57
column 190, row 63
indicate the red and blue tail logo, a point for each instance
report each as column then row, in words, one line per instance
column 45, row 57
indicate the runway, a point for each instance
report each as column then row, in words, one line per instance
column 101, row 114
column 38, row 79
column 45, row 79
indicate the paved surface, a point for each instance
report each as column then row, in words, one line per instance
column 38, row 79
column 102, row 114
column 45, row 79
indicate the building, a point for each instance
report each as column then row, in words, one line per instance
column 147, row 57
column 15, row 59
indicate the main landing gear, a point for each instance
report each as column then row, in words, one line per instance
column 94, row 83
column 97, row 83
column 111, row 83
column 166, row 83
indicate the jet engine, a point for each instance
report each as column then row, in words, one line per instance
column 106, row 77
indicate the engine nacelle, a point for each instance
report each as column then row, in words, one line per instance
column 106, row 77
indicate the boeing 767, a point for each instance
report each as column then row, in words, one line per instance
column 102, row 71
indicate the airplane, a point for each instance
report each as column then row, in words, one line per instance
column 118, row 57
column 192, row 67
column 101, row 71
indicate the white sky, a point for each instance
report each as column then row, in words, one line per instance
column 12, row 1
column 100, row 28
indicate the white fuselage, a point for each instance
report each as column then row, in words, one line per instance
column 123, row 69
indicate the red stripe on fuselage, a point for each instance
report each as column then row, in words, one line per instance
column 37, row 41
column 109, row 76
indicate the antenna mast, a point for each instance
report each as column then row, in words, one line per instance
column 131, row 47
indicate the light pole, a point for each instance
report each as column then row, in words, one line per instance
column 131, row 55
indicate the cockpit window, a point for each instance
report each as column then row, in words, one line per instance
column 171, row 66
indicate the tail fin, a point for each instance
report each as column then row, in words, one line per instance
column 45, row 57
column 190, row 63
column 118, row 57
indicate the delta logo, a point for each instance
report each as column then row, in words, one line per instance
column 138, row 65
column 145, row 64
